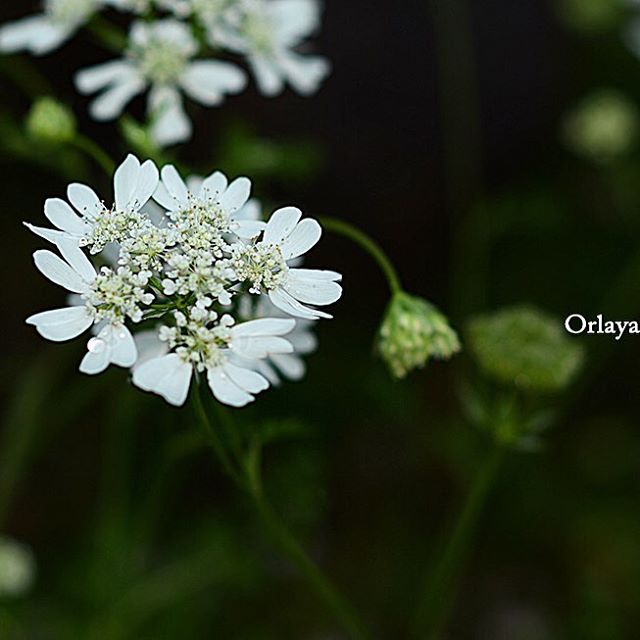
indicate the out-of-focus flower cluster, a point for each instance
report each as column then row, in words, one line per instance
column 211, row 287
column 525, row 348
column 170, row 50
column 603, row 127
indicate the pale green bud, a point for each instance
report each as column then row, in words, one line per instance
column 603, row 127
column 526, row 348
column 51, row 122
column 591, row 16
column 17, row 568
column 413, row 331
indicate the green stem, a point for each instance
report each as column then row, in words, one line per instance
column 110, row 35
column 245, row 469
column 439, row 589
column 89, row 147
column 290, row 547
column 369, row 245
column 213, row 438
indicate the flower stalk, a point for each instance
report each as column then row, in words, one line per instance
column 349, row 231
column 244, row 468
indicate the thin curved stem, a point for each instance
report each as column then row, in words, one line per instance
column 367, row 243
column 89, row 147
column 439, row 589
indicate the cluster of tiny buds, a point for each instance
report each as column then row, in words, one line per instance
column 261, row 265
column 116, row 295
column 200, row 337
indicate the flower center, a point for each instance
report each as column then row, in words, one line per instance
column 115, row 295
column 201, row 339
column 259, row 31
column 162, row 62
column 262, row 265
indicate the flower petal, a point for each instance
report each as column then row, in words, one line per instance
column 77, row 260
column 175, row 185
column 281, row 224
column 85, row 200
column 311, row 290
column 168, row 376
column 51, row 235
column 37, row 34
column 148, row 179
column 61, row 215
column 208, row 81
column 59, row 325
column 264, row 327
column 305, row 236
column 246, row 379
column 59, row 272
column 236, row 195
column 290, row 305
column 291, row 366
column 125, row 181
column 170, row 123
column 225, row 390
column 214, row 186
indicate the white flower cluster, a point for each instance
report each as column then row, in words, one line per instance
column 169, row 52
column 211, row 287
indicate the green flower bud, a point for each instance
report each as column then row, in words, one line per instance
column 591, row 16
column 524, row 347
column 17, row 568
column 51, row 122
column 603, row 127
column 413, row 331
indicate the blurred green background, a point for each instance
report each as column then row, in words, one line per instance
column 490, row 147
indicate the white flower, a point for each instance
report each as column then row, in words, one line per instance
column 109, row 298
column 43, row 33
column 90, row 222
column 160, row 57
column 212, row 200
column 267, row 32
column 205, row 348
column 265, row 266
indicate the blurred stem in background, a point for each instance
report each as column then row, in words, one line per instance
column 243, row 465
column 438, row 595
column 88, row 146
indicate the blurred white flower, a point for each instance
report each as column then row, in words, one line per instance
column 210, row 351
column 45, row 32
column 160, row 57
column 302, row 339
column 268, row 32
column 17, row 568
column 139, row 7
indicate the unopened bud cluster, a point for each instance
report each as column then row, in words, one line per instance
column 412, row 332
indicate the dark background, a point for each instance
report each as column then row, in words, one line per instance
column 436, row 114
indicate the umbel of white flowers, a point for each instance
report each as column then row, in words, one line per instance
column 166, row 55
column 208, row 284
